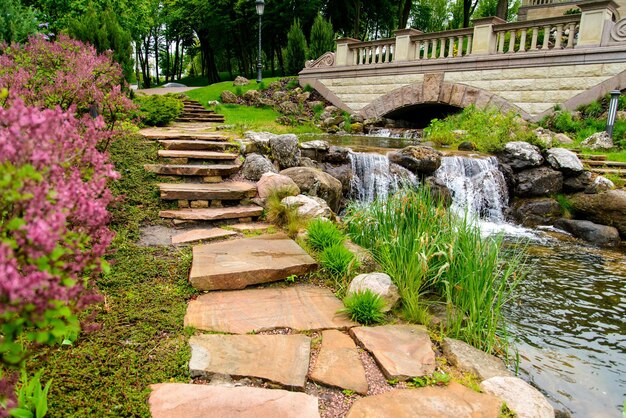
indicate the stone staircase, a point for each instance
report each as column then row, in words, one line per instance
column 600, row 164
column 193, row 111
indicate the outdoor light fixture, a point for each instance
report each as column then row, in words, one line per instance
column 260, row 8
column 610, row 121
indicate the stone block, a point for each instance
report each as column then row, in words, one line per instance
column 216, row 204
column 446, row 93
column 183, row 204
column 432, row 87
column 212, row 179
column 199, row 204
column 482, row 100
column 457, row 94
column 471, row 94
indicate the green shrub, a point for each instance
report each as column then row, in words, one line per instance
column 324, row 234
column 338, row 261
column 592, row 110
column 364, row 307
column 563, row 122
column 158, row 110
column 295, row 55
column 291, row 84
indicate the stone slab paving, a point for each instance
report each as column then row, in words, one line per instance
column 525, row 400
column 338, row 363
column 300, row 308
column 472, row 360
column 401, row 351
column 200, row 191
column 204, row 234
column 282, row 359
column 251, row 227
column 179, row 400
column 199, row 170
column 200, row 155
column 213, row 214
column 452, row 401
column 239, row 263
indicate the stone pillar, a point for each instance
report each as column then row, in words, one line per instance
column 484, row 41
column 343, row 56
column 595, row 19
column 403, row 50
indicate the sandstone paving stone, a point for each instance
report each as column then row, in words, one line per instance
column 204, row 234
column 338, row 363
column 238, row 263
column 251, row 227
column 522, row 398
column 402, row 351
column 179, row 400
column 473, row 360
column 300, row 308
column 233, row 190
column 452, row 401
column 213, row 214
column 282, row 359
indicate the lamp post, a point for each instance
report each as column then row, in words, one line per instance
column 610, row 122
column 260, row 7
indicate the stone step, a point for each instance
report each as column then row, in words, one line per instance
column 193, row 169
column 204, row 234
column 302, row 308
column 173, row 135
column 593, row 163
column 197, row 109
column 198, row 155
column 592, row 157
column 196, row 145
column 251, row 227
column 616, row 171
column 213, row 214
column 202, row 191
column 243, row 262
column 216, row 118
column 281, row 359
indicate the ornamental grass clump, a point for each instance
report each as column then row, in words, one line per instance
column 339, row 263
column 364, row 307
column 323, row 234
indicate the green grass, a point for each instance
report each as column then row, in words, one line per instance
column 339, row 263
column 323, row 234
column 364, row 307
column 213, row 91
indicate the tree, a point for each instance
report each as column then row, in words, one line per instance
column 322, row 38
column 17, row 22
column 296, row 49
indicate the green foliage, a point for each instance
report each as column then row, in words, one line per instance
column 322, row 39
column 17, row 21
column 565, row 204
column 32, row 398
column 295, row 55
column 339, row 262
column 159, row 110
column 364, row 307
column 489, row 129
column 591, row 110
column 308, row 88
column 284, row 216
column 323, row 234
column 437, row 379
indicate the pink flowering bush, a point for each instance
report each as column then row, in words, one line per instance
column 65, row 73
column 53, row 226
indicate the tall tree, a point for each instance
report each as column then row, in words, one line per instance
column 322, row 38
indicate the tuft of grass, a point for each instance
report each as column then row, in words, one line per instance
column 324, row 234
column 339, row 263
column 437, row 379
column 566, row 205
column 283, row 216
column 364, row 307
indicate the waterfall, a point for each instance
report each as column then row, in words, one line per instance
column 477, row 185
column 373, row 177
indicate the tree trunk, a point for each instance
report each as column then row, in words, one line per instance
column 502, row 10
column 208, row 56
column 357, row 18
column 156, row 54
column 176, row 58
column 404, row 11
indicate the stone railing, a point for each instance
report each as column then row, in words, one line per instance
column 553, row 33
column 375, row 52
column 543, row 2
column 447, row 44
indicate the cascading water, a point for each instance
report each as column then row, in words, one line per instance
column 373, row 177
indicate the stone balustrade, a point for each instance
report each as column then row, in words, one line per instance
column 542, row 2
column 447, row 44
column 552, row 33
column 376, row 52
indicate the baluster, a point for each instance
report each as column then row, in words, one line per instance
column 426, row 46
column 571, row 35
column 533, row 42
column 450, row 47
column 501, row 42
column 512, row 38
column 433, row 44
column 459, row 49
column 371, row 53
column 546, row 38
column 522, row 41
column 388, row 53
column 442, row 47
column 418, row 50
column 559, row 35
column 469, row 45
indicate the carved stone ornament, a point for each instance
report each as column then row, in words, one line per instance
column 618, row 32
column 326, row 60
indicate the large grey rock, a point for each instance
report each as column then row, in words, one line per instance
column 472, row 360
column 599, row 140
column 378, row 283
column 271, row 182
column 314, row 182
column 545, row 137
column 540, row 181
column 606, row 236
column 180, row 400
column 288, row 108
column 599, row 184
column 337, row 155
column 310, row 207
column 520, row 397
column 607, row 208
column 285, row 150
column 520, row 155
column 578, row 183
column 258, row 142
column 252, row 95
column 565, row 161
column 241, row 81
column 342, row 172
column 563, row 139
column 228, row 97
column 417, row 159
column 315, row 150
column 255, row 166
column 534, row 212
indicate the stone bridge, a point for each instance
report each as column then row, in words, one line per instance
column 528, row 67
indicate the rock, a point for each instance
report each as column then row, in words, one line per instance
column 452, row 401
column 204, row 234
column 417, row 159
column 577, row 183
column 606, row 236
column 252, row 95
column 338, row 363
column 288, row 108
column 467, row 146
column 264, row 101
column 314, row 182
column 314, row 149
column 282, row 359
column 337, row 155
column 331, row 109
column 310, row 207
column 374, row 122
column 213, row 103
column 241, row 81
column 599, row 140
column 258, row 142
column 563, row 139
column 402, row 351
column 365, row 258
column 285, row 150
column 545, row 137
column 356, row 128
column 314, row 103
column 599, row 184
column 534, row 212
column 521, row 155
column 541, row 181
column 307, row 162
column 520, row 397
column 332, row 120
column 606, row 208
column 439, row 190
column 378, row 283
column 473, row 360
column 301, row 308
column 228, row 97
column 565, row 161
column 459, row 133
column 180, row 400
column 270, row 182
column 255, row 166
column 279, row 96
column 342, row 172
column 356, row 118
column 303, row 97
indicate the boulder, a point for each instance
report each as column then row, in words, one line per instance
column 545, row 137
column 439, row 190
column 565, row 161
column 241, row 81
column 337, row 155
column 314, row 149
column 228, row 97
column 264, row 101
column 599, row 140
column 541, row 181
column 279, row 96
column 258, row 142
column 307, row 162
column 606, row 208
column 252, row 95
column 365, row 258
column 520, row 155
column 288, row 108
column 472, row 360
column 356, row 128
column 520, row 397
column 563, row 139
column 342, row 172
column 285, row 151
column 314, row 182
column 332, row 120
column 270, row 182
column 534, row 212
column 309, row 207
column 467, row 146
column 578, row 183
column 303, row 97
column 599, row 184
column 314, row 103
column 378, row 283
column 606, row 236
column 417, row 158
column 255, row 166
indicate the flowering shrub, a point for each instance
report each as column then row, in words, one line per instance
column 64, row 73
column 53, row 233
